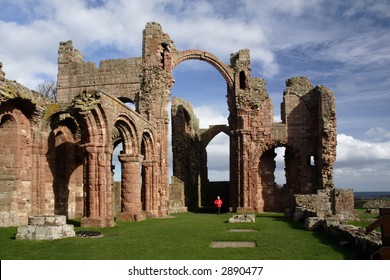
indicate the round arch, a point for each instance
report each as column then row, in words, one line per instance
column 6, row 118
column 209, row 58
column 147, row 145
column 274, row 197
column 127, row 130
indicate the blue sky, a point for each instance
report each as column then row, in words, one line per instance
column 343, row 45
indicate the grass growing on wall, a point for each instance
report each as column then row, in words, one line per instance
column 187, row 236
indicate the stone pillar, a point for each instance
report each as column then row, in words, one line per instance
column 131, row 188
column 91, row 176
column 244, row 195
column 96, row 212
column 147, row 185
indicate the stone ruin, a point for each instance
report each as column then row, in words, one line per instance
column 243, row 218
column 56, row 156
column 49, row 227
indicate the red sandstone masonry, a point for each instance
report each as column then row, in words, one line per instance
column 56, row 157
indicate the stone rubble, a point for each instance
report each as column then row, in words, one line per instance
column 45, row 228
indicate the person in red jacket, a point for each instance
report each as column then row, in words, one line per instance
column 218, row 204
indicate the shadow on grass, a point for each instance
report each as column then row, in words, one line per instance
column 348, row 252
column 74, row 223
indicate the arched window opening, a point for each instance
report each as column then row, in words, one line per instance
column 116, row 170
column 6, row 119
column 242, row 80
column 218, row 158
column 280, row 167
column 128, row 102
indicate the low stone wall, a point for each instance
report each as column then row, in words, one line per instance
column 372, row 203
column 325, row 203
column 347, row 235
column 45, row 228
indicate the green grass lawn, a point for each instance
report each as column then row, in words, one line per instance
column 186, row 236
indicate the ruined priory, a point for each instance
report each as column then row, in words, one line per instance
column 56, row 156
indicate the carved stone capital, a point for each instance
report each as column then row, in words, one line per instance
column 130, row 158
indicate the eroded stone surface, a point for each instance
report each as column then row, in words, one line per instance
column 56, row 156
column 243, row 218
column 45, row 228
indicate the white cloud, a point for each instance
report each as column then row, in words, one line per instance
column 209, row 115
column 347, row 35
column 362, row 164
column 378, row 134
column 351, row 149
column 216, row 175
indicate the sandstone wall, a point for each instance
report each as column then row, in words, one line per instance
column 120, row 78
column 59, row 160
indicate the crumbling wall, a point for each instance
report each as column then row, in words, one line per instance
column 176, row 196
column 185, row 150
column 120, row 78
column 344, row 207
column 23, row 165
column 324, row 204
column 62, row 157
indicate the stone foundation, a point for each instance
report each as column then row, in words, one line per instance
column 326, row 203
column 347, row 235
column 45, row 228
column 244, row 218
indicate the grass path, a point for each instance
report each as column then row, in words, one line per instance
column 186, row 236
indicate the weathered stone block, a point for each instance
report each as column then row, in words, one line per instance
column 243, row 218
column 9, row 219
column 45, row 228
column 313, row 223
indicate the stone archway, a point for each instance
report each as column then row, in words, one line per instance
column 65, row 163
column 16, row 182
column 209, row 189
column 221, row 67
column 90, row 114
column 152, row 195
column 270, row 196
column 131, row 163
column 191, row 165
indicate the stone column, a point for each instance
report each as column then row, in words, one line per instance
column 97, row 211
column 131, row 188
column 91, row 177
column 244, row 195
column 147, row 186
